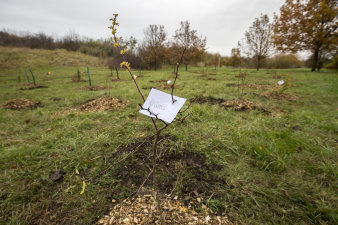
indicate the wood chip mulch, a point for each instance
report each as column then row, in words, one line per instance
column 241, row 105
column 76, row 79
column 245, row 105
column 93, row 88
column 101, row 104
column 166, row 86
column 256, row 86
column 20, row 104
column 144, row 210
column 31, row 86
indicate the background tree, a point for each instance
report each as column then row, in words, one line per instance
column 235, row 58
column 283, row 61
column 257, row 41
column 154, row 43
column 307, row 25
column 195, row 45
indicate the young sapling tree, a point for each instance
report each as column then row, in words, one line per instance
column 33, row 77
column 78, row 75
column 155, row 120
column 89, row 78
column 27, row 77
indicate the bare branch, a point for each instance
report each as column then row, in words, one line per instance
column 173, row 85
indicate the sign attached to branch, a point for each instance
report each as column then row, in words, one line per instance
column 159, row 104
column 281, row 82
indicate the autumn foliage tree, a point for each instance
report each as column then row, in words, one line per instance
column 187, row 38
column 235, row 58
column 307, row 25
column 257, row 41
column 154, row 44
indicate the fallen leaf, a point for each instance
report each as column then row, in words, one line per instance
column 83, row 187
column 48, row 129
column 285, row 192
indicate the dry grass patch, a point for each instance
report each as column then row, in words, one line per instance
column 281, row 96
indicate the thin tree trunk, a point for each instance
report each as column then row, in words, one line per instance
column 117, row 72
column 315, row 61
column 258, row 62
column 155, row 63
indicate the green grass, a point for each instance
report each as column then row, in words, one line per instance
column 24, row 57
column 277, row 170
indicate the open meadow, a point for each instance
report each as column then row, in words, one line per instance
column 268, row 159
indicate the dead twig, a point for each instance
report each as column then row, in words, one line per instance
column 176, row 75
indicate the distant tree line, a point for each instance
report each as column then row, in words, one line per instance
column 301, row 25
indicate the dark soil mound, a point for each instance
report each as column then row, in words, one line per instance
column 185, row 170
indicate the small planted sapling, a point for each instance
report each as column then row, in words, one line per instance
column 27, row 77
column 112, row 64
column 156, row 121
column 89, row 78
column 33, row 77
column 78, row 75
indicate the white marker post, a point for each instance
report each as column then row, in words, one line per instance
column 161, row 104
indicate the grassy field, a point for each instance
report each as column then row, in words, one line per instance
column 254, row 166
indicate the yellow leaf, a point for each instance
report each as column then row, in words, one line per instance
column 183, row 209
column 83, row 187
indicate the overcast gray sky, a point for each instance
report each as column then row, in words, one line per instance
column 223, row 22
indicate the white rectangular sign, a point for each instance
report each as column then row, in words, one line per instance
column 160, row 104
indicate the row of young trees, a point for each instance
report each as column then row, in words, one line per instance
column 302, row 25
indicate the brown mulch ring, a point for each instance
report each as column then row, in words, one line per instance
column 256, row 86
column 231, row 85
column 20, row 104
column 101, row 104
column 253, row 86
column 93, row 88
column 211, row 78
column 194, row 71
column 241, row 75
column 31, row 86
column 158, row 81
column 282, row 96
column 166, row 86
column 143, row 209
column 240, row 105
column 76, row 79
